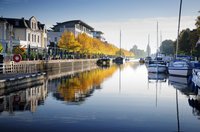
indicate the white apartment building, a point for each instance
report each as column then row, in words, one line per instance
column 19, row 31
column 74, row 26
column 99, row 35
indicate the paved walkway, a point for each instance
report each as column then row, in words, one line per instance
column 4, row 77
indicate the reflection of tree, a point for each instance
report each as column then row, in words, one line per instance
column 76, row 89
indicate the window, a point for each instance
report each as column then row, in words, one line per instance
column 38, row 39
column 29, row 37
column 32, row 38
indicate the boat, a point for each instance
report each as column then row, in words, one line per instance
column 196, row 77
column 119, row 60
column 180, row 68
column 157, row 66
column 147, row 59
column 141, row 60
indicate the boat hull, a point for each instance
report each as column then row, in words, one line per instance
column 159, row 69
column 196, row 77
column 180, row 72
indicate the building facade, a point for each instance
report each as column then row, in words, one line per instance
column 99, row 35
column 74, row 26
column 21, row 32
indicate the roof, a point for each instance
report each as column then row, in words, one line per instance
column 20, row 23
column 74, row 22
column 99, row 32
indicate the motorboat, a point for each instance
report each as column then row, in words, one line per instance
column 180, row 68
column 196, row 77
column 142, row 60
column 157, row 66
column 119, row 60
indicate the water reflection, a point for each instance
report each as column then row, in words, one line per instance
column 24, row 100
column 187, row 87
column 76, row 88
column 136, row 108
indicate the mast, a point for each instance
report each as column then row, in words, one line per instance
column 148, row 48
column 179, row 20
column 157, row 40
column 177, row 106
column 120, row 41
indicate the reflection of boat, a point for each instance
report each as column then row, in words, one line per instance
column 179, row 82
column 104, row 61
column 180, row 68
column 196, row 77
column 179, row 79
column 157, row 76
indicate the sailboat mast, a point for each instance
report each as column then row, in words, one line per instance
column 157, row 41
column 120, row 41
column 179, row 20
column 148, row 45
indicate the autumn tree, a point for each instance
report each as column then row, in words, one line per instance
column 69, row 43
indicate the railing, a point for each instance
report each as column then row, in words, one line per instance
column 38, row 66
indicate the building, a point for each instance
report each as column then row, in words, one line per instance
column 99, row 35
column 74, row 26
column 21, row 32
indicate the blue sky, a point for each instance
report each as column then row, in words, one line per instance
column 100, row 14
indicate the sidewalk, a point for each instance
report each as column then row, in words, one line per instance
column 16, row 76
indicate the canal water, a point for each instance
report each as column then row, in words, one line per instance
column 116, row 99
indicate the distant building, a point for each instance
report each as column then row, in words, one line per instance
column 74, row 26
column 22, row 32
column 99, row 35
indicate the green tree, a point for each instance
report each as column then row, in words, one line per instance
column 167, row 47
column 184, row 42
column 137, row 52
column 198, row 25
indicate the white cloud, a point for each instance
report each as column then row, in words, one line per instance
column 135, row 31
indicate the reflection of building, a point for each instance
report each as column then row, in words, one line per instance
column 19, row 31
column 27, row 99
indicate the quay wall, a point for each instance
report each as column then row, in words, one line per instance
column 45, row 66
column 30, row 73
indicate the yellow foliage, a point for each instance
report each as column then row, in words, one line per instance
column 19, row 50
column 68, row 42
column 87, row 45
column 81, row 85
